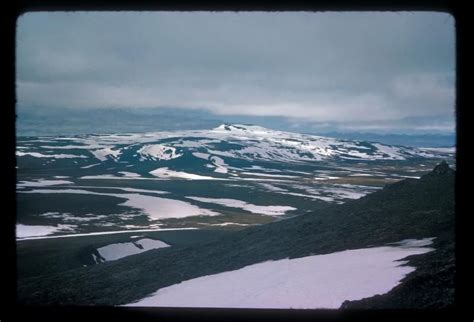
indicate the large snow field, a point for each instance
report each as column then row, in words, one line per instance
column 312, row 282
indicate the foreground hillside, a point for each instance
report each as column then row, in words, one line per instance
column 409, row 209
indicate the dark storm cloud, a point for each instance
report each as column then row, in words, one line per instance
column 334, row 68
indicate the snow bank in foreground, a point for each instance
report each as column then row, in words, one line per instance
column 119, row 250
column 23, row 231
column 320, row 281
column 233, row 203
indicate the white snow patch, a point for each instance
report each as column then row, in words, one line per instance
column 326, row 178
column 221, row 166
column 119, row 250
column 90, row 166
column 409, row 177
column 102, row 154
column 105, row 176
column 195, row 144
column 414, row 242
column 154, row 207
column 345, row 193
column 130, row 174
column 200, row 155
column 261, row 179
column 230, row 224
column 114, row 177
column 139, row 190
column 160, row 192
column 42, row 183
column 71, row 147
column 53, row 214
column 98, row 233
column 56, row 156
column 23, row 231
column 68, row 217
column 391, row 151
column 271, row 187
column 189, row 144
column 297, row 194
column 233, row 203
column 441, row 150
column 158, row 152
column 159, row 208
column 257, row 167
column 167, row 173
column 221, row 170
column 312, row 282
column 268, row 175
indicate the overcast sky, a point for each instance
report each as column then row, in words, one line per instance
column 347, row 70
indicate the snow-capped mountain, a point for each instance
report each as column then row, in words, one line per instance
column 226, row 143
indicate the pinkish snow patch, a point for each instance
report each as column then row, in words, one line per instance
column 312, row 282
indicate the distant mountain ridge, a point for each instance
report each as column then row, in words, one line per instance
column 208, row 151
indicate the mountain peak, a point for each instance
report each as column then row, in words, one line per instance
column 442, row 168
column 240, row 128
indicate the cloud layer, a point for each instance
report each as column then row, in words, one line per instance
column 327, row 68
